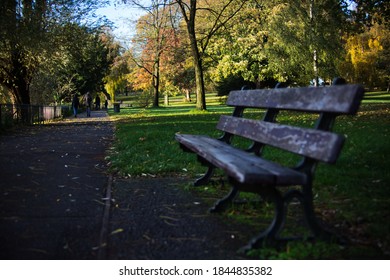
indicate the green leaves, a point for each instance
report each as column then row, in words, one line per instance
column 40, row 41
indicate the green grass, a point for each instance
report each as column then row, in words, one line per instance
column 353, row 195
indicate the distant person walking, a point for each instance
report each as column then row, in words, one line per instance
column 97, row 102
column 75, row 104
column 88, row 103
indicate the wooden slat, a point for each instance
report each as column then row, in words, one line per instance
column 244, row 167
column 317, row 144
column 343, row 99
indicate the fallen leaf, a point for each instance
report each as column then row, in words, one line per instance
column 117, row 231
column 168, row 218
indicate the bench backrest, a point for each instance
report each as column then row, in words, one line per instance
column 316, row 143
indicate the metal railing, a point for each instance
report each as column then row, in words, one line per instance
column 12, row 114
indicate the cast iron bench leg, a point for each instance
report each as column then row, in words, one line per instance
column 281, row 203
column 205, row 179
column 224, row 202
column 307, row 202
column 271, row 233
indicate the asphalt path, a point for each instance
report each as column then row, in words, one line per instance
column 52, row 189
column 58, row 201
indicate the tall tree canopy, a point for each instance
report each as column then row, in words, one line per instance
column 32, row 33
column 305, row 39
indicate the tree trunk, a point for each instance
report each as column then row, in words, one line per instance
column 200, row 90
column 315, row 57
column 187, row 95
column 20, row 92
column 315, row 69
column 19, row 80
column 190, row 21
column 156, row 83
column 166, row 100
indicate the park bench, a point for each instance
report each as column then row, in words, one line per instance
column 247, row 169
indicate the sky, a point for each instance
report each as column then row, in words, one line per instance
column 123, row 17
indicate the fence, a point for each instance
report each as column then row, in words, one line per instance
column 11, row 114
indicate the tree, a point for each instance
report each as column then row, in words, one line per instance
column 239, row 49
column 367, row 44
column 178, row 69
column 19, row 50
column 213, row 16
column 90, row 59
column 29, row 37
column 116, row 81
column 78, row 65
column 304, row 41
column 368, row 58
column 154, row 36
column 368, row 12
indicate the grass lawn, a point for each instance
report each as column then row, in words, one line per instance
column 353, row 196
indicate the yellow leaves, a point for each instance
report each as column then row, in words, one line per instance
column 374, row 44
column 365, row 47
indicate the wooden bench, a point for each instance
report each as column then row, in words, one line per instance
column 248, row 171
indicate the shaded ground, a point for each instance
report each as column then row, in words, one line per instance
column 156, row 219
column 57, row 202
column 52, row 183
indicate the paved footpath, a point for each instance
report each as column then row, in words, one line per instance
column 52, row 189
column 59, row 202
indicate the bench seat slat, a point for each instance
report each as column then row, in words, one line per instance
column 244, row 167
column 317, row 144
column 337, row 99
